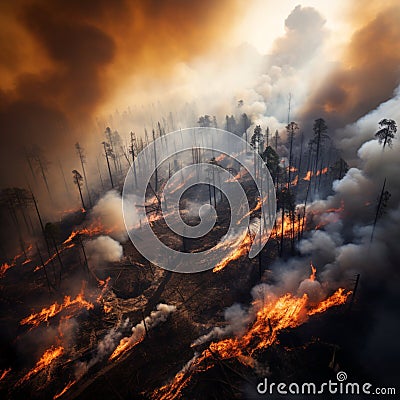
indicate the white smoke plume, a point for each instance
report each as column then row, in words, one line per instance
column 237, row 319
column 104, row 348
column 155, row 318
column 103, row 250
column 108, row 211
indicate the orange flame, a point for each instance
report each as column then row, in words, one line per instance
column 47, row 358
column 308, row 176
column 313, row 272
column 67, row 387
column 6, row 266
column 274, row 315
column 54, row 309
column 338, row 298
column 4, row 373
column 239, row 248
column 124, row 346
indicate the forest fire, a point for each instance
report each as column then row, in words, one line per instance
column 273, row 316
column 49, row 312
column 93, row 230
column 47, row 358
column 6, row 266
column 123, row 347
column 319, row 172
column 239, row 248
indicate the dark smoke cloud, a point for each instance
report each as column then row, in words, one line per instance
column 367, row 75
column 72, row 56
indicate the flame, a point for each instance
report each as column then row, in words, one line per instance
column 313, row 272
column 92, row 230
column 289, row 227
column 124, row 346
column 6, row 266
column 332, row 210
column 239, row 248
column 308, row 176
column 295, row 181
column 47, row 358
column 95, row 228
column 322, row 171
column 256, row 208
column 54, row 309
column 274, row 315
column 67, row 387
column 4, row 373
column 338, row 298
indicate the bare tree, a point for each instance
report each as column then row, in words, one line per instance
column 82, row 158
column 291, row 128
column 42, row 164
column 108, row 153
column 387, row 132
column 380, row 208
column 78, row 179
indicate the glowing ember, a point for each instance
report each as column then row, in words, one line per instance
column 4, row 373
column 47, row 358
column 295, row 181
column 69, row 385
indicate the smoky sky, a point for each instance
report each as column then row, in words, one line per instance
column 366, row 76
column 60, row 61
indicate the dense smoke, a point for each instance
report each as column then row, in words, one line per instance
column 76, row 56
column 103, row 250
column 108, row 212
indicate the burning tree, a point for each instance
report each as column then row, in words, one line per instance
column 387, row 132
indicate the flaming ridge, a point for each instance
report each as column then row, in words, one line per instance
column 48, row 312
column 6, row 266
column 65, row 390
column 47, row 358
column 274, row 315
